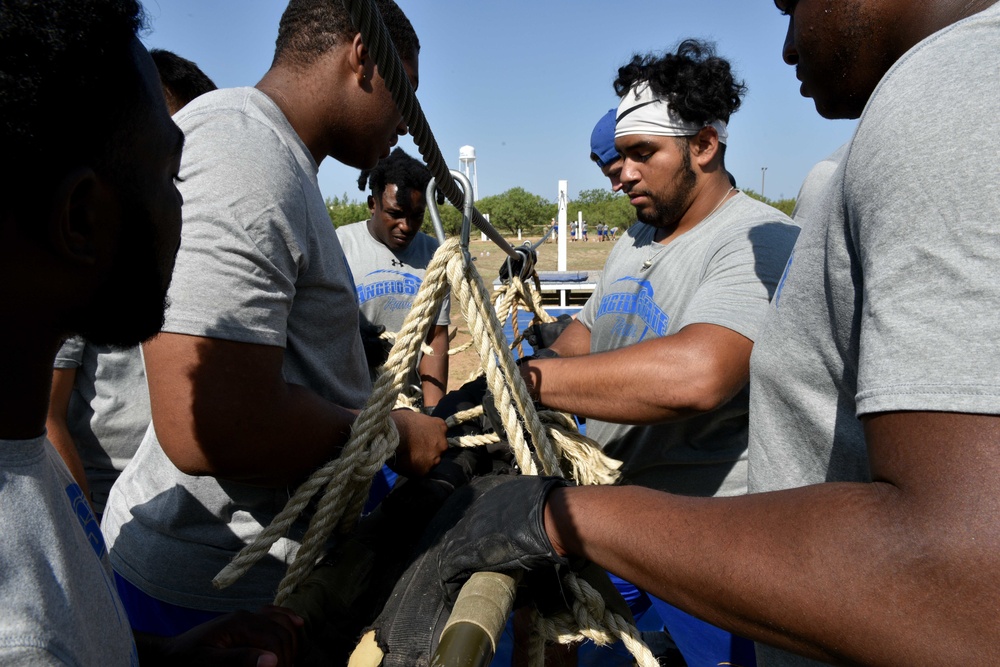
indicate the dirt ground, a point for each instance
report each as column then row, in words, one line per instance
column 580, row 256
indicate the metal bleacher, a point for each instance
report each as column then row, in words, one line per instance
column 570, row 285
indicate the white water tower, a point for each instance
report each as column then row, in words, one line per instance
column 467, row 165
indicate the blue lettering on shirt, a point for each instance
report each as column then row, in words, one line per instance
column 87, row 519
column 640, row 303
column 399, row 285
column 781, row 283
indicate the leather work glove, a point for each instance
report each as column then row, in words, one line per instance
column 376, row 348
column 466, row 397
column 493, row 524
column 347, row 590
column 541, row 336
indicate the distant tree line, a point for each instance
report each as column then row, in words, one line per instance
column 344, row 211
column 519, row 209
column 786, row 206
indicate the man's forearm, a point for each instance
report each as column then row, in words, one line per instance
column 827, row 571
column 573, row 341
column 434, row 368
column 665, row 379
column 63, row 382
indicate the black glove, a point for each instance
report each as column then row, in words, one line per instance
column 493, row 524
column 516, row 266
column 466, row 397
column 347, row 590
column 503, row 531
column 543, row 334
column 376, row 348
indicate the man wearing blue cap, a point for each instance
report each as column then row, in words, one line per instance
column 603, row 152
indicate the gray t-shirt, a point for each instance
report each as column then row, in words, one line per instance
column 260, row 263
column 811, row 200
column 722, row 272
column 58, row 602
column 108, row 410
column 889, row 303
column 387, row 281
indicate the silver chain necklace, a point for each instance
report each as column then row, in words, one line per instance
column 660, row 246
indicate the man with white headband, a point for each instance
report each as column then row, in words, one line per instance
column 658, row 359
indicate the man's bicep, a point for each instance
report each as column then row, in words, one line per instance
column 943, row 474
column 200, row 388
column 715, row 361
column 928, row 454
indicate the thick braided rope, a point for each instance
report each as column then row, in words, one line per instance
column 588, row 607
column 392, row 335
column 591, row 619
column 341, row 477
column 474, row 440
column 425, row 348
column 536, row 640
column 452, row 351
column 463, row 416
column 588, row 464
column 461, row 277
column 342, row 504
column 514, row 297
column 502, row 376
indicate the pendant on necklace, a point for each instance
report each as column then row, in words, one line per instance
column 648, row 263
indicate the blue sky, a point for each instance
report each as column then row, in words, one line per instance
column 525, row 81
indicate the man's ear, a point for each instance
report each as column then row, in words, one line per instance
column 705, row 145
column 371, row 205
column 362, row 64
column 76, row 226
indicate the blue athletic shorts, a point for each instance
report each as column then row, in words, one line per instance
column 156, row 617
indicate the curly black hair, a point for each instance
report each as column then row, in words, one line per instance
column 68, row 87
column 699, row 84
column 399, row 169
column 310, row 28
column 182, row 80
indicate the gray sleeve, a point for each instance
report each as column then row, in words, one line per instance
column 30, row 656
column 238, row 261
column 924, row 219
column 444, row 317
column 741, row 276
column 70, row 355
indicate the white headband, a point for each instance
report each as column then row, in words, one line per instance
column 641, row 111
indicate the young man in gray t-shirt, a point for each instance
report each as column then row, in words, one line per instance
column 98, row 413
column 388, row 255
column 90, row 221
column 658, row 359
column 259, row 373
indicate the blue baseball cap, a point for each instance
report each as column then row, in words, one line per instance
column 602, row 140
